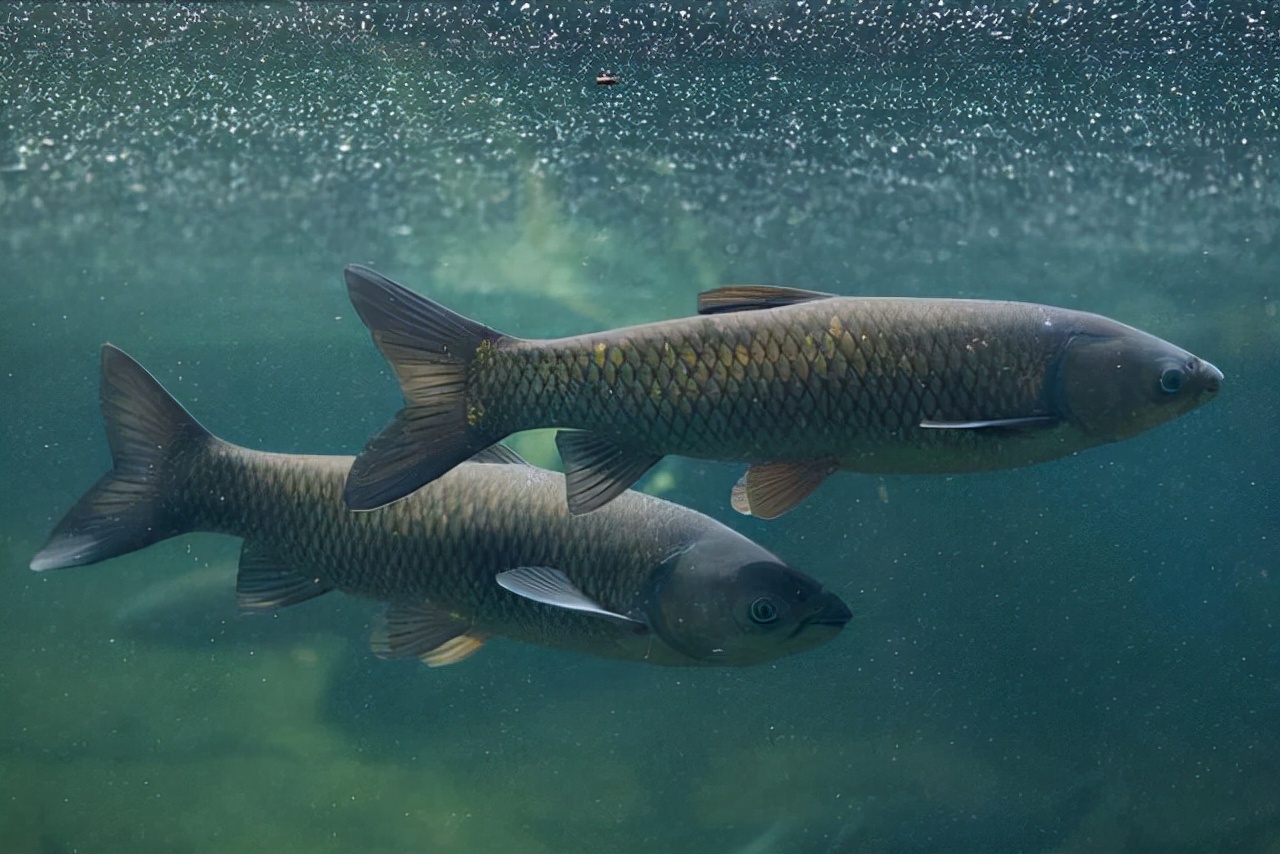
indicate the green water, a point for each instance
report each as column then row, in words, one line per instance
column 1083, row 655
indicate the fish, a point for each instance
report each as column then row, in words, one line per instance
column 797, row 384
column 488, row 550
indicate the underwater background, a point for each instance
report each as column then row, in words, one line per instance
column 1081, row 655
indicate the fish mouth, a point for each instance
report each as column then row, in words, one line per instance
column 1212, row 377
column 833, row 614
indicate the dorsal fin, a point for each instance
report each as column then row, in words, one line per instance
column 753, row 297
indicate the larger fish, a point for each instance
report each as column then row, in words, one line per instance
column 488, row 550
column 797, row 383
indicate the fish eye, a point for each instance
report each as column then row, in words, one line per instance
column 1171, row 380
column 763, row 611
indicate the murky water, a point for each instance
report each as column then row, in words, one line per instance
column 1079, row 655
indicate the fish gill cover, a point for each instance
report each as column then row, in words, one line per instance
column 1078, row 656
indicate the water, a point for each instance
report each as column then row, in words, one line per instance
column 1079, row 655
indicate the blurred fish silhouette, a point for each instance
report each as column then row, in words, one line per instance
column 197, row 608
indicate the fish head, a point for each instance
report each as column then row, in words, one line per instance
column 1115, row 381
column 725, row 600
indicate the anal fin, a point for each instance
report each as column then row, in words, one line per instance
column 597, row 469
column 426, row 632
column 266, row 582
column 767, row 490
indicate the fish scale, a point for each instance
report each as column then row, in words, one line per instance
column 444, row 546
column 489, row 549
column 716, row 405
column 446, row 543
column 795, row 383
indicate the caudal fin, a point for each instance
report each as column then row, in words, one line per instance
column 431, row 349
column 149, row 434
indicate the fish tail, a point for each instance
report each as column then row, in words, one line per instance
column 431, row 350
column 152, row 441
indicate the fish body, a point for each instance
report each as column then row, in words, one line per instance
column 490, row 549
column 797, row 383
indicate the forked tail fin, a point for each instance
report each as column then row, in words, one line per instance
column 431, row 350
column 149, row 434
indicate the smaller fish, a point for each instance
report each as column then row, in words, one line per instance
column 488, row 550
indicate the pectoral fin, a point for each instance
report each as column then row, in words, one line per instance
column 767, row 490
column 426, row 632
column 265, row 582
column 598, row 470
column 552, row 587
column 752, row 298
column 1030, row 422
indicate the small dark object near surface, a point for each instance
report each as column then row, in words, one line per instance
column 606, row 78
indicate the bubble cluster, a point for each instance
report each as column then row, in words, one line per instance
column 882, row 131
